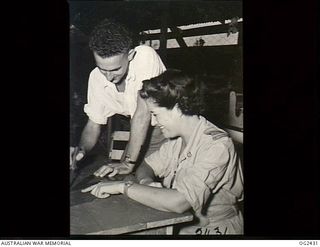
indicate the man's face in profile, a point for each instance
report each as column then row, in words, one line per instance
column 114, row 68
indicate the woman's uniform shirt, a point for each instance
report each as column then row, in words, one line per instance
column 103, row 98
column 208, row 172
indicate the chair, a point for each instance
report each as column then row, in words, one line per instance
column 235, row 117
column 118, row 137
column 235, row 127
column 116, row 147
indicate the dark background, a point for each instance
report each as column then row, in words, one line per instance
column 281, row 121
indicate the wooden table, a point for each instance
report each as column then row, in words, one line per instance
column 119, row 214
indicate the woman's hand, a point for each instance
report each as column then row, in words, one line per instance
column 105, row 189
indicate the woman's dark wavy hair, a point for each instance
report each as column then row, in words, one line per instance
column 175, row 87
column 109, row 38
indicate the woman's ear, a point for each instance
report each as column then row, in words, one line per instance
column 131, row 54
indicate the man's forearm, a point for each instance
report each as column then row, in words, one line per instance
column 89, row 136
column 138, row 133
column 140, row 123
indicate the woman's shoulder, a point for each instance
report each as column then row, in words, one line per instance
column 213, row 136
column 212, row 131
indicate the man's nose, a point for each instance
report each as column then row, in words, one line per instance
column 153, row 120
column 109, row 76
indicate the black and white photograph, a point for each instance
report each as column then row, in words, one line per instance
column 156, row 118
column 160, row 120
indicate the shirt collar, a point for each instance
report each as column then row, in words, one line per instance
column 196, row 137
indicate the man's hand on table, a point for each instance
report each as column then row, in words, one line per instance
column 76, row 154
column 113, row 169
column 105, row 189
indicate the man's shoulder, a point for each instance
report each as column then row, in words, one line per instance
column 144, row 49
column 96, row 78
column 145, row 57
column 95, row 72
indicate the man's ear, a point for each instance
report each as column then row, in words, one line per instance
column 131, row 54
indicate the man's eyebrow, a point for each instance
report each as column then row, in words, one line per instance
column 109, row 70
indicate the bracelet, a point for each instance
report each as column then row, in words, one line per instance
column 128, row 160
column 127, row 184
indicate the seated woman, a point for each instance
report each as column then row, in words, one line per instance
column 199, row 167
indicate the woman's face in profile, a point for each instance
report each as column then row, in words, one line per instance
column 167, row 120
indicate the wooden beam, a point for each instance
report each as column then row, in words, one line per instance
column 178, row 36
column 216, row 29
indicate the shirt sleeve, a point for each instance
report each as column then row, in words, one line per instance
column 95, row 107
column 148, row 64
column 207, row 175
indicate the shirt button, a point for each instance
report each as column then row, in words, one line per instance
column 189, row 154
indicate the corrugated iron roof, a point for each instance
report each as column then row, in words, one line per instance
column 145, row 15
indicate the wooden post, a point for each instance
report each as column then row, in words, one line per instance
column 240, row 35
column 109, row 137
column 163, row 34
column 169, row 230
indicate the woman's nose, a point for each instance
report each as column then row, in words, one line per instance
column 153, row 120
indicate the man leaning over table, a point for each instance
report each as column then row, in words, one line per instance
column 113, row 89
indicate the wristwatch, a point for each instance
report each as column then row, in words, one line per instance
column 128, row 160
column 127, row 184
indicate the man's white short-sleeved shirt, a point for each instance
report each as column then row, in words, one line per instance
column 103, row 98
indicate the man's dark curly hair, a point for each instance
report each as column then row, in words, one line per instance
column 109, row 38
column 175, row 87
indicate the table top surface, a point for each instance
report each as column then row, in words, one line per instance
column 116, row 214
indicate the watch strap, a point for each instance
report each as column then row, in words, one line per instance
column 127, row 184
